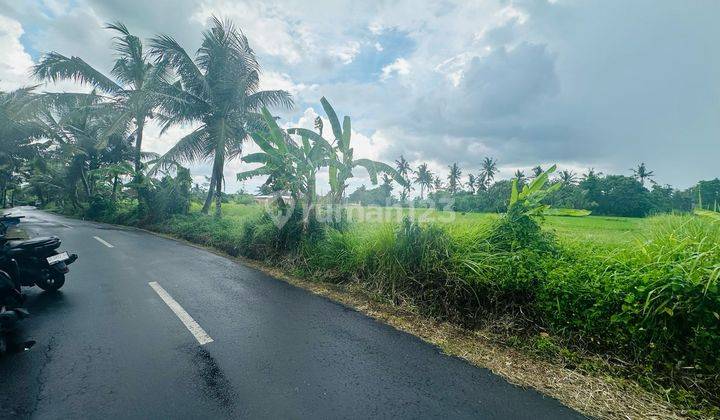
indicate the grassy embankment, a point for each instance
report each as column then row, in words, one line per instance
column 641, row 293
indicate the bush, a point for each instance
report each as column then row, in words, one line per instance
column 101, row 208
column 336, row 258
column 168, row 197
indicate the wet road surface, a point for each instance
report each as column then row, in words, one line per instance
column 124, row 339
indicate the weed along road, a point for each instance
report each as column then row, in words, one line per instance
column 147, row 327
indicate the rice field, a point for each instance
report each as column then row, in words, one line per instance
column 600, row 230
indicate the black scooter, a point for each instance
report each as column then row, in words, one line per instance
column 38, row 261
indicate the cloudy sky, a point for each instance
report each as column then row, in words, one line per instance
column 605, row 84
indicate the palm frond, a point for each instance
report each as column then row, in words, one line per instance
column 191, row 148
column 130, row 67
column 269, row 98
column 54, row 66
column 165, row 48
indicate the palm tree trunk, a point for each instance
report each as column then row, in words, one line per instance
column 114, row 187
column 218, row 191
column 219, row 165
column 140, row 123
column 139, row 189
column 210, row 195
column 83, row 178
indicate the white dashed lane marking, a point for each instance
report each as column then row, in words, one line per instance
column 102, row 241
column 200, row 335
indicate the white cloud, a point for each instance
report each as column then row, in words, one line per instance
column 154, row 142
column 16, row 62
column 272, row 80
column 57, row 7
column 265, row 25
column 347, row 52
column 400, row 66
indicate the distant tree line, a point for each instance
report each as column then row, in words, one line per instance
column 637, row 195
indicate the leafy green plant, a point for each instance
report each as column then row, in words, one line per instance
column 288, row 166
column 343, row 162
column 519, row 228
column 529, row 198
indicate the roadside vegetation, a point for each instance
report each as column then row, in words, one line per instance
column 568, row 265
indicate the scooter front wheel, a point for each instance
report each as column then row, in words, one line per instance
column 51, row 283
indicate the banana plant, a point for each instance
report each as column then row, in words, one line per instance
column 342, row 161
column 289, row 166
column 531, row 195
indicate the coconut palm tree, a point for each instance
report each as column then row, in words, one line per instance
column 642, row 173
column 77, row 128
column 537, row 171
column 488, row 171
column 471, row 183
column 568, row 177
column 120, row 151
column 482, row 184
column 218, row 91
column 590, row 174
column 424, row 178
column 521, row 177
column 438, row 184
column 454, row 178
column 18, row 127
column 402, row 166
column 130, row 85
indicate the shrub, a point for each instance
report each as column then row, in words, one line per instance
column 414, row 264
column 264, row 238
column 168, row 197
column 336, row 257
column 100, row 208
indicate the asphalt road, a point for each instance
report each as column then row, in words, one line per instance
column 110, row 346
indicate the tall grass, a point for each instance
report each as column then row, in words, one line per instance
column 654, row 302
column 651, row 300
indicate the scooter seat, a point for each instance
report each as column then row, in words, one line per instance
column 35, row 243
